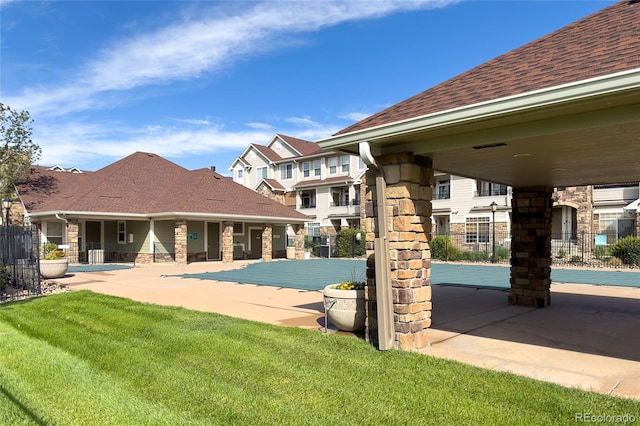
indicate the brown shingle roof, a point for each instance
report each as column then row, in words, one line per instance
column 145, row 183
column 320, row 182
column 303, row 147
column 603, row 43
column 267, row 152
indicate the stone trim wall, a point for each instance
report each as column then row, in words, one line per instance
column 531, row 247
column 227, row 242
column 409, row 178
column 72, row 239
column 300, row 233
column 267, row 243
column 180, row 232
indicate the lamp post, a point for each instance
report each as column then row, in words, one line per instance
column 494, row 207
column 6, row 206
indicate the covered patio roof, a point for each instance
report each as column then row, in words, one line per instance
column 563, row 110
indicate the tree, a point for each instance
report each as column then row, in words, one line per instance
column 17, row 150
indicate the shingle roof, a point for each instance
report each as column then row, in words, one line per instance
column 303, row 147
column 145, row 183
column 267, row 152
column 603, row 43
column 321, row 182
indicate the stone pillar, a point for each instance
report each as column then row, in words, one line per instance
column 227, row 242
column 408, row 196
column 531, row 246
column 180, row 232
column 72, row 240
column 267, row 242
column 300, row 231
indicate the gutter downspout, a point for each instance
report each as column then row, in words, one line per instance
column 384, row 298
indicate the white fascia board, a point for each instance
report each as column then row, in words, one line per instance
column 229, row 217
column 71, row 213
column 571, row 92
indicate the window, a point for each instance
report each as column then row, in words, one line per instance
column 122, row 232
column 54, row 232
column 345, row 163
column 443, row 189
column 306, row 169
column 313, row 229
column 356, row 200
column 238, row 228
column 240, row 174
column 488, row 189
column 316, row 168
column 308, row 199
column 261, row 173
column 339, row 196
column 477, row 230
column 286, row 171
column 333, row 165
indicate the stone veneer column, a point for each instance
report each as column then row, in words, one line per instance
column 227, row 242
column 72, row 240
column 531, row 246
column 300, row 232
column 409, row 178
column 267, row 242
column 181, row 241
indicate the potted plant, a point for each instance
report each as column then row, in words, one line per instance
column 344, row 305
column 54, row 263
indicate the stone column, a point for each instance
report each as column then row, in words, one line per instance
column 408, row 196
column 299, row 230
column 267, row 242
column 72, row 240
column 227, row 242
column 181, row 241
column 531, row 246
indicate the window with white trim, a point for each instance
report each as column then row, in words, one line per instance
column 345, row 163
column 316, row 168
column 261, row 173
column 443, row 189
column 286, row 171
column 477, row 230
column 333, row 165
column 313, row 229
column 306, row 169
column 122, row 232
column 55, row 231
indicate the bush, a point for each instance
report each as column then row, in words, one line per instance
column 600, row 251
column 348, row 244
column 627, row 250
column 5, row 277
column 442, row 248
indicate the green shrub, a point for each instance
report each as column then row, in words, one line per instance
column 627, row 249
column 348, row 244
column 443, row 249
column 5, row 277
column 474, row 256
column 575, row 259
column 600, row 251
column 502, row 253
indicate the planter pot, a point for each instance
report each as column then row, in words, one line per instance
column 345, row 308
column 291, row 252
column 307, row 255
column 53, row 268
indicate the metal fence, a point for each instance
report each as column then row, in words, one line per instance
column 579, row 249
column 19, row 262
column 99, row 253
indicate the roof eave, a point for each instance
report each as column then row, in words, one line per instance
column 557, row 95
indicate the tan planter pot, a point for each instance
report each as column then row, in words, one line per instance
column 345, row 308
column 291, row 252
column 53, row 268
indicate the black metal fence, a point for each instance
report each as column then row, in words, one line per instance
column 99, row 253
column 19, row 262
column 579, row 249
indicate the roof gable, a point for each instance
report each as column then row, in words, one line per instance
column 301, row 146
column 603, row 43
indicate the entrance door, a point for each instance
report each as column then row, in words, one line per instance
column 213, row 241
column 256, row 243
column 92, row 238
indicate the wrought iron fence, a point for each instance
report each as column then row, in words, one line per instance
column 99, row 253
column 19, row 262
column 576, row 249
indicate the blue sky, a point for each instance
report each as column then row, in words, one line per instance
column 196, row 82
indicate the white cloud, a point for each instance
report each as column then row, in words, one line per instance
column 354, row 116
column 260, row 126
column 302, row 121
column 188, row 49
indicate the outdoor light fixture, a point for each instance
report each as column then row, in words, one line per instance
column 494, row 207
column 6, row 205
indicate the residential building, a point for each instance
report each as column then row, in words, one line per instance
column 324, row 185
column 144, row 208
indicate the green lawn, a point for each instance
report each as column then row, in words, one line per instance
column 86, row 358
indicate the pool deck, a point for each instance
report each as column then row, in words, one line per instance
column 587, row 338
